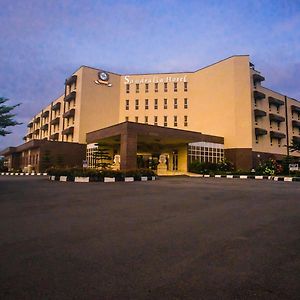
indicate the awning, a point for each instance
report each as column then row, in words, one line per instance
column 30, row 125
column 259, row 113
column 69, row 113
column 56, row 106
column 45, row 127
column 259, row 95
column 71, row 80
column 275, row 101
column 277, row 135
column 295, row 108
column 70, row 97
column 45, row 114
column 260, row 131
column 296, row 123
column 258, row 78
column 37, row 120
column 276, row 118
column 54, row 136
column 55, row 121
column 68, row 131
column 296, row 139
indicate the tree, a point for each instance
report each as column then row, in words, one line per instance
column 6, row 117
column 101, row 156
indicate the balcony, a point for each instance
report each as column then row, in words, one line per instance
column 68, row 131
column 37, row 131
column 276, row 102
column 276, row 118
column 71, row 80
column 295, row 108
column 29, row 136
column 259, row 95
column 55, row 121
column 56, row 106
column 257, row 78
column 296, row 139
column 44, row 127
column 54, row 136
column 37, row 120
column 296, row 124
column 259, row 113
column 260, row 131
column 277, row 135
column 70, row 97
column 30, row 125
column 45, row 114
column 70, row 113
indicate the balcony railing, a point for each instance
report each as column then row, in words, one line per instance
column 257, row 78
column 70, row 113
column 277, row 135
column 259, row 113
column 56, row 106
column 276, row 102
column 259, row 95
column 71, row 80
column 296, row 124
column 68, row 131
column 276, row 118
column 260, row 131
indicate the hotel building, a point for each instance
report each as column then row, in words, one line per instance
column 225, row 103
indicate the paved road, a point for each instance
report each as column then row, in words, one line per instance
column 177, row 238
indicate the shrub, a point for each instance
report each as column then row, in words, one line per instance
column 269, row 167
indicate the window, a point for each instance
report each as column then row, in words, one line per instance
column 271, row 141
column 127, row 105
column 185, row 103
column 255, row 102
column 127, row 88
column 146, row 119
column 155, row 103
column 213, row 153
column 136, row 119
column 278, row 125
column 146, row 87
column 256, row 139
column 175, row 86
column 146, row 103
column 278, row 109
column 136, row 104
column 156, row 87
column 155, row 120
column 175, row 103
column 175, row 121
column 185, row 121
column 279, row 142
column 165, row 103
column 185, row 86
column 165, row 87
column 126, row 119
column 137, row 88
column 165, row 121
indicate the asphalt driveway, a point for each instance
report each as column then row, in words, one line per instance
column 175, row 238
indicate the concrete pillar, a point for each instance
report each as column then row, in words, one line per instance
column 128, row 151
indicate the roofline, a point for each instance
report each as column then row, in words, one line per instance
column 280, row 94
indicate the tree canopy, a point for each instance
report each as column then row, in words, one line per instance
column 6, row 117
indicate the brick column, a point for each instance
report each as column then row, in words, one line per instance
column 128, row 151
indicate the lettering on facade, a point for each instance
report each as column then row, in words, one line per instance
column 154, row 79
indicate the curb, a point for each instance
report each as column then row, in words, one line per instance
column 257, row 177
column 22, row 174
column 105, row 179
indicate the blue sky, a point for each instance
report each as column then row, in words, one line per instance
column 43, row 42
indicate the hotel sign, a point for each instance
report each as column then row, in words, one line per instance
column 154, row 79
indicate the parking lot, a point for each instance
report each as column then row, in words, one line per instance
column 175, row 238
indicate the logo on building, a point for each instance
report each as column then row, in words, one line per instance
column 103, row 78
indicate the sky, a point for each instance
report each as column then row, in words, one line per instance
column 43, row 42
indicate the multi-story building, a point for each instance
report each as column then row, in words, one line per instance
column 225, row 99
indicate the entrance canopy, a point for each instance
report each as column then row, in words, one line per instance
column 130, row 136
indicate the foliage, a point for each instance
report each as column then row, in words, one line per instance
column 6, row 117
column 98, row 175
column 101, row 156
column 46, row 160
column 223, row 166
column 269, row 167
